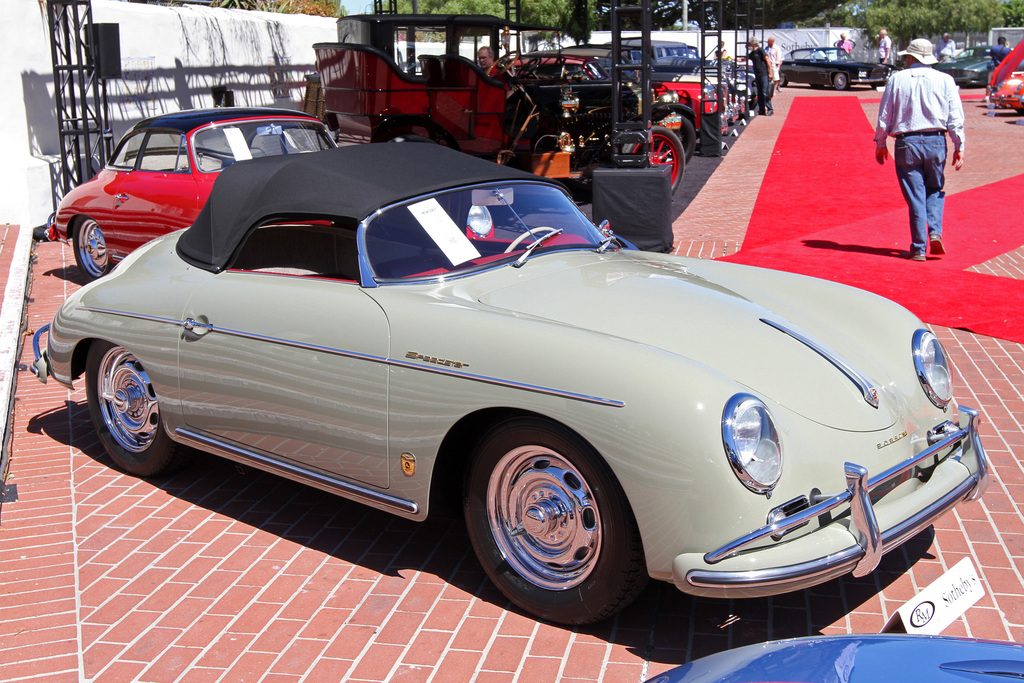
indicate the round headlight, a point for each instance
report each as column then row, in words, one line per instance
column 752, row 443
column 933, row 368
column 479, row 221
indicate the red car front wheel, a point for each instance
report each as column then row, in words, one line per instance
column 666, row 148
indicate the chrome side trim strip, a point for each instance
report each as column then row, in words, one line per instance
column 611, row 403
column 136, row 316
column 868, row 389
column 191, row 325
column 294, row 472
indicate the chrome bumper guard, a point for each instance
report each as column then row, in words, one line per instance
column 40, row 366
column 871, row 544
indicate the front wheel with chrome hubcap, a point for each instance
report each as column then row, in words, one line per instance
column 550, row 524
column 91, row 249
column 126, row 413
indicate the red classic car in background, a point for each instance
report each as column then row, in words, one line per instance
column 1006, row 82
column 161, row 174
column 414, row 77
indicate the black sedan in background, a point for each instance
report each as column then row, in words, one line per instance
column 830, row 66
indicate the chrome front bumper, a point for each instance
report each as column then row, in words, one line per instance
column 871, row 542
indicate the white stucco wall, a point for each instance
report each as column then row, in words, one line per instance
column 170, row 58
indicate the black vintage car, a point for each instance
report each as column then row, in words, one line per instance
column 418, row 77
column 830, row 66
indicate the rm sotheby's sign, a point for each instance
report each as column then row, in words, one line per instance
column 941, row 603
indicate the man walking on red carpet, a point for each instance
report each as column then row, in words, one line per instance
column 919, row 108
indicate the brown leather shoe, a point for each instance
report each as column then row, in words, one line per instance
column 914, row 257
column 935, row 245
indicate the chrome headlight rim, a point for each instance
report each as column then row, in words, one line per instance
column 736, row 405
column 930, row 383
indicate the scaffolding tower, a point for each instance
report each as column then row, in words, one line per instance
column 79, row 91
column 631, row 139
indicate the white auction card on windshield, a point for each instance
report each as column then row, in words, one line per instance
column 443, row 230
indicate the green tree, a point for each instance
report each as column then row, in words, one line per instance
column 797, row 11
column 1013, row 13
column 909, row 19
column 574, row 18
column 848, row 14
column 667, row 14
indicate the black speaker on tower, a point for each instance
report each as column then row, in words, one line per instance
column 106, row 44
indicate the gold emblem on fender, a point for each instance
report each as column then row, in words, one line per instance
column 412, row 355
column 408, row 464
column 889, row 442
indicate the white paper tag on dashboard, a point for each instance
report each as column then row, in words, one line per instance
column 443, row 230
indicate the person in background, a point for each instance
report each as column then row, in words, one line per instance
column 774, row 53
column 757, row 60
column 999, row 50
column 844, row 43
column 946, row 49
column 485, row 58
column 920, row 106
column 884, row 47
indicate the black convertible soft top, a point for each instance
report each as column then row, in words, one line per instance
column 348, row 183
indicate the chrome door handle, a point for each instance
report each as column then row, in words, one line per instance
column 121, row 197
column 195, row 327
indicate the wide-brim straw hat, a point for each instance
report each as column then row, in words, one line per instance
column 921, row 50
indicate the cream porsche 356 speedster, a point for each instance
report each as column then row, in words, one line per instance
column 410, row 327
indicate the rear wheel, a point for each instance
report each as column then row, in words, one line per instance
column 840, row 81
column 126, row 413
column 550, row 525
column 91, row 249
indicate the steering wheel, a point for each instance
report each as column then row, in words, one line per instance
column 504, row 64
column 519, row 240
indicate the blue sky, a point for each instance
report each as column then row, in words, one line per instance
column 357, row 6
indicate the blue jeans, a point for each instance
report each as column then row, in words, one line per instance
column 764, row 102
column 920, row 164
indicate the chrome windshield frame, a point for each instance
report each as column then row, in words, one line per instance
column 370, row 279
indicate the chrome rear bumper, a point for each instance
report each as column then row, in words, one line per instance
column 40, row 365
column 871, row 542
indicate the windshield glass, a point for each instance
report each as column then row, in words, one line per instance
column 822, row 54
column 219, row 146
column 469, row 229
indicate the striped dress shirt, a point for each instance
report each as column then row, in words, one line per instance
column 921, row 99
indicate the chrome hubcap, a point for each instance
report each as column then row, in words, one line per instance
column 127, row 400
column 92, row 248
column 543, row 517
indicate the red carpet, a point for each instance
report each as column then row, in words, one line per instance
column 827, row 209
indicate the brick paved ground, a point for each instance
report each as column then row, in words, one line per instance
column 221, row 573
